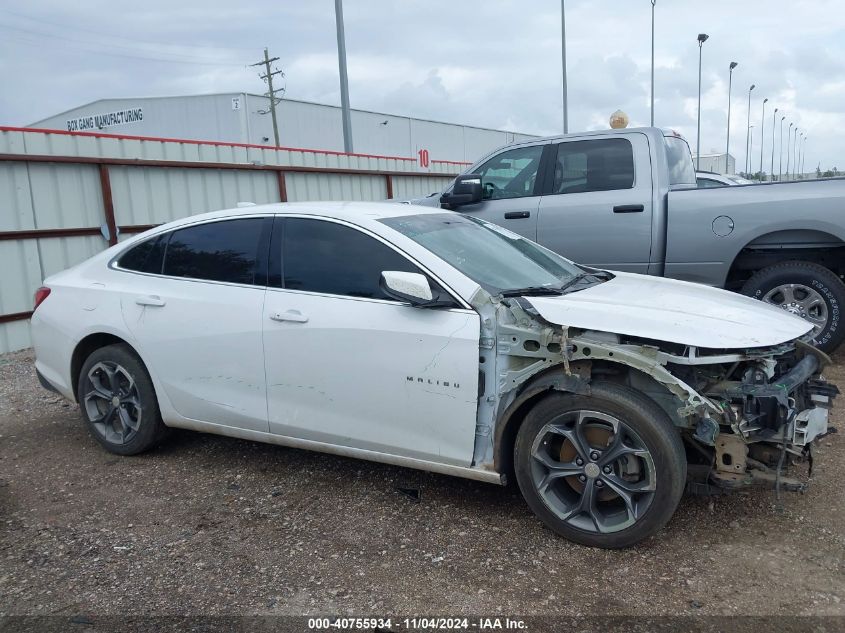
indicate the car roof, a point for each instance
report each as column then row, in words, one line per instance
column 354, row 212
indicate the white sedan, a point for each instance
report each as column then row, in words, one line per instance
column 430, row 339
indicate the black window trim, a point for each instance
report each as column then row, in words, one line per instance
column 275, row 273
column 262, row 255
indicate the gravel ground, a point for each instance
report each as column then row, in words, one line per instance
column 211, row 525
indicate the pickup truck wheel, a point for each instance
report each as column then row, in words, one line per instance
column 807, row 290
column 118, row 401
column 605, row 470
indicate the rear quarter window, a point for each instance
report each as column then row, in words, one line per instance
column 145, row 257
column 679, row 161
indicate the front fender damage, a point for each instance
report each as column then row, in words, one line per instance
column 739, row 411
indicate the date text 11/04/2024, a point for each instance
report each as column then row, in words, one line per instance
column 418, row 624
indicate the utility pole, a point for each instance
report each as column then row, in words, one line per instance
column 702, row 37
column 563, row 65
column 274, row 100
column 774, row 117
column 762, row 138
column 346, row 115
column 728, row 141
column 748, row 135
column 652, row 62
column 788, row 143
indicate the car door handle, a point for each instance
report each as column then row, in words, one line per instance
column 515, row 215
column 154, row 301
column 291, row 315
column 628, row 208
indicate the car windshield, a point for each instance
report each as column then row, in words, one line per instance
column 679, row 158
column 495, row 258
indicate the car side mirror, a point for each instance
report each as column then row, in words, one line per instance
column 466, row 190
column 411, row 287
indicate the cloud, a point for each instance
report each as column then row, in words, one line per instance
column 493, row 64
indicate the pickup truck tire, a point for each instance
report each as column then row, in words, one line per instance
column 604, row 470
column 118, row 401
column 808, row 290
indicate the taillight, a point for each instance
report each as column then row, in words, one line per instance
column 42, row 293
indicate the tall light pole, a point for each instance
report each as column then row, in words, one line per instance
column 728, row 141
column 751, row 140
column 748, row 134
column 702, row 37
column 798, row 157
column 774, row 120
column 762, row 138
column 780, row 160
column 563, row 65
column 794, row 156
column 803, row 153
column 653, row 2
column 344, row 80
column 788, row 141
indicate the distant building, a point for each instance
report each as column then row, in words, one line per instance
column 244, row 118
column 717, row 163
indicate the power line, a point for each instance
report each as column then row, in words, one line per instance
column 107, row 49
column 40, row 20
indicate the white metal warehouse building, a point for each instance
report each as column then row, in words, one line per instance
column 244, row 118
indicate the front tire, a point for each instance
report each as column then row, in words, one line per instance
column 808, row 290
column 118, row 402
column 604, row 470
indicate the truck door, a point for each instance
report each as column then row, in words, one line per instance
column 597, row 208
column 511, row 190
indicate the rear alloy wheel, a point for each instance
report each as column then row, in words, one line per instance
column 807, row 290
column 118, row 402
column 605, row 470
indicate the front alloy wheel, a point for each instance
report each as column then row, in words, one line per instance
column 593, row 471
column 606, row 470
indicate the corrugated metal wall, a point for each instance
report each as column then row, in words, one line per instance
column 60, row 193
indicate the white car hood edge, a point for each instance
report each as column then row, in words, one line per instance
column 672, row 311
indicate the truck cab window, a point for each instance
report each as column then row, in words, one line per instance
column 599, row 165
column 511, row 174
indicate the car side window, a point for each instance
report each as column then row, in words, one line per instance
column 511, row 174
column 215, row 251
column 598, row 165
column 326, row 257
column 145, row 257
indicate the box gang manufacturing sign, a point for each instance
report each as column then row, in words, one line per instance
column 104, row 120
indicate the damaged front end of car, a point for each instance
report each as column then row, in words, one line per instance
column 746, row 416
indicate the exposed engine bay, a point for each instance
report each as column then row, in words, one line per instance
column 746, row 416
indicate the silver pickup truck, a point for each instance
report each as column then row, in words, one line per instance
column 627, row 200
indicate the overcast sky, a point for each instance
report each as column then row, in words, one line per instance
column 492, row 63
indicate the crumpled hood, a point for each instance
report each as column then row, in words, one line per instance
column 672, row 311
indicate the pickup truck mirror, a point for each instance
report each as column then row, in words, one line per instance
column 466, row 190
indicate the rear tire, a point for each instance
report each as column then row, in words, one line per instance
column 118, row 402
column 808, row 290
column 604, row 470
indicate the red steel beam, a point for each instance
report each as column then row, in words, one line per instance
column 389, row 182
column 33, row 234
column 283, row 187
column 17, row 316
column 188, row 164
column 108, row 204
